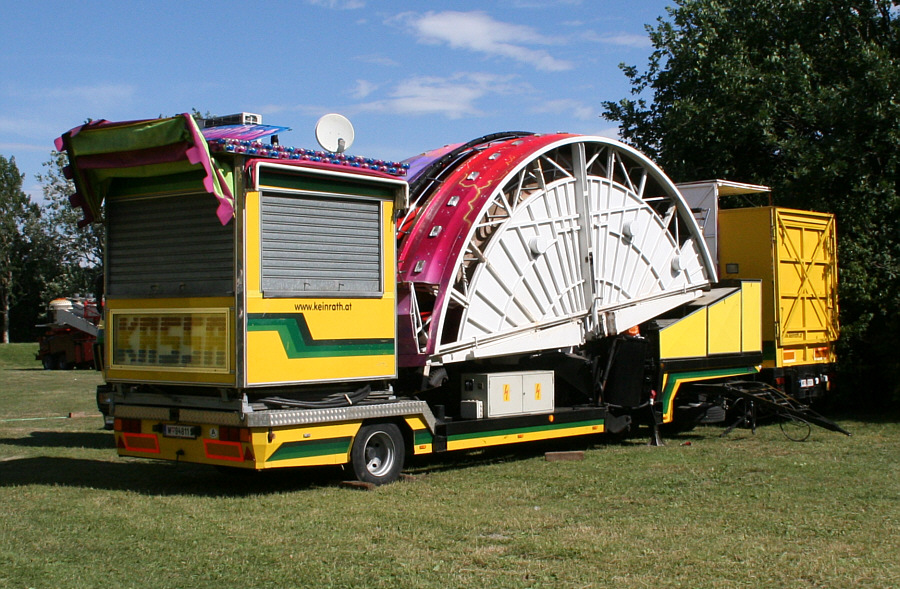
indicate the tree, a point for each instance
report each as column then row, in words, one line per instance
column 38, row 267
column 81, row 248
column 802, row 96
column 43, row 254
column 16, row 211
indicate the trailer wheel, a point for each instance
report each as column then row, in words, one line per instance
column 378, row 453
column 49, row 362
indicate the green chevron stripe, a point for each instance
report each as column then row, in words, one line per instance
column 308, row 449
column 298, row 342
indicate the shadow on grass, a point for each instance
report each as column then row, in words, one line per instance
column 53, row 439
column 158, row 478
column 166, row 479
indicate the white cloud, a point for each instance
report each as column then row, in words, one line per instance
column 104, row 92
column 20, row 147
column 544, row 3
column 575, row 108
column 479, row 32
column 611, row 132
column 338, row 4
column 620, row 39
column 80, row 98
column 363, row 88
column 453, row 97
column 30, row 125
column 377, row 60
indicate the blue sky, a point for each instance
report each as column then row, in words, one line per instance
column 410, row 75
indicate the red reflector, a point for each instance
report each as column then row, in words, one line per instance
column 218, row 450
column 140, row 443
column 779, row 381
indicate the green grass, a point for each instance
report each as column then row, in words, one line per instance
column 18, row 356
column 742, row 511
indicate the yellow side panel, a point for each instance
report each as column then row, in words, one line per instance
column 515, row 438
column 268, row 362
column 725, row 325
column 751, row 310
column 300, row 340
column 314, row 445
column 686, row 338
column 746, row 250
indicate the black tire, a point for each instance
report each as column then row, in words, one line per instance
column 378, row 453
column 49, row 362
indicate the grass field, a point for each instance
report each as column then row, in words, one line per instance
column 704, row 511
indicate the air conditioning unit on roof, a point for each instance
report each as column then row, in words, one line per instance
column 241, row 118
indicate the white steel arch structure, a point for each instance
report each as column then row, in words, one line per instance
column 544, row 242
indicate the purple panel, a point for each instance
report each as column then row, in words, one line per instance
column 242, row 132
column 417, row 163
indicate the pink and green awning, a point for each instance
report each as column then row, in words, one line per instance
column 101, row 151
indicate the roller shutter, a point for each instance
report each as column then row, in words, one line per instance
column 320, row 246
column 168, row 246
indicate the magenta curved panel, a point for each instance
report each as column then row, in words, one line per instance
column 428, row 254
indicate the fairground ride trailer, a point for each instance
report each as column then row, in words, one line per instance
column 270, row 307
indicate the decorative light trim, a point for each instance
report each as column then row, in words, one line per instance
column 280, row 152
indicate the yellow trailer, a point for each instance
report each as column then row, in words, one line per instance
column 794, row 253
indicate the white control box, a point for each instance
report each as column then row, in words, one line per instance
column 510, row 393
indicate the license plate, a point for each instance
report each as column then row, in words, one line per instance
column 181, row 431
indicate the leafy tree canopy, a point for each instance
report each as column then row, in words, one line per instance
column 802, row 96
column 82, row 247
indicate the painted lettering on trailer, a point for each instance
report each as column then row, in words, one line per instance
column 195, row 340
column 339, row 306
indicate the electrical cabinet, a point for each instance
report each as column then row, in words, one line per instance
column 501, row 394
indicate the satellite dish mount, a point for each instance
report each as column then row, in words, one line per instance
column 334, row 133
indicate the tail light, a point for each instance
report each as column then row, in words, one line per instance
column 129, row 426
column 234, row 434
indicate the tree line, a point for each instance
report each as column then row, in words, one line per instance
column 43, row 253
column 802, row 96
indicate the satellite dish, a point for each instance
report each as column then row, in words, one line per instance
column 334, row 133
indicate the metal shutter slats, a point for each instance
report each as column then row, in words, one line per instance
column 320, row 246
column 169, row 246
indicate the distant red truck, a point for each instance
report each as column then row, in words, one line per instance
column 69, row 341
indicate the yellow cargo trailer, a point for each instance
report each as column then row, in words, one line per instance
column 794, row 253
